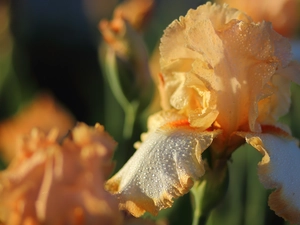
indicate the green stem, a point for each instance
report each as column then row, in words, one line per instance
column 110, row 66
column 130, row 108
column 130, row 117
column 209, row 191
column 199, row 218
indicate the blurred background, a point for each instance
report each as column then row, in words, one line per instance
column 68, row 61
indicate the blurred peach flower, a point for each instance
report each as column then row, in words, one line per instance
column 143, row 221
column 121, row 33
column 43, row 112
column 283, row 14
column 225, row 80
column 136, row 12
column 49, row 183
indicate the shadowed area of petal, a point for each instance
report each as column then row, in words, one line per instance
column 163, row 168
column 279, row 169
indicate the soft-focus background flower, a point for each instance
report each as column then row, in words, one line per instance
column 49, row 183
column 42, row 112
column 53, row 46
column 282, row 13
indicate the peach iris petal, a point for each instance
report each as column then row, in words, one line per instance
column 163, row 168
column 43, row 112
column 217, row 65
column 279, row 170
column 47, row 183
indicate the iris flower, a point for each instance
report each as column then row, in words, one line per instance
column 224, row 81
column 52, row 183
column 43, row 112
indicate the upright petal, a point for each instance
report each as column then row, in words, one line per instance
column 163, row 168
column 217, row 65
column 279, row 170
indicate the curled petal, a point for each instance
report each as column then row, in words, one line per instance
column 279, row 169
column 163, row 168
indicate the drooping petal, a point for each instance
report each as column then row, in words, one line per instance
column 163, row 168
column 279, row 170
